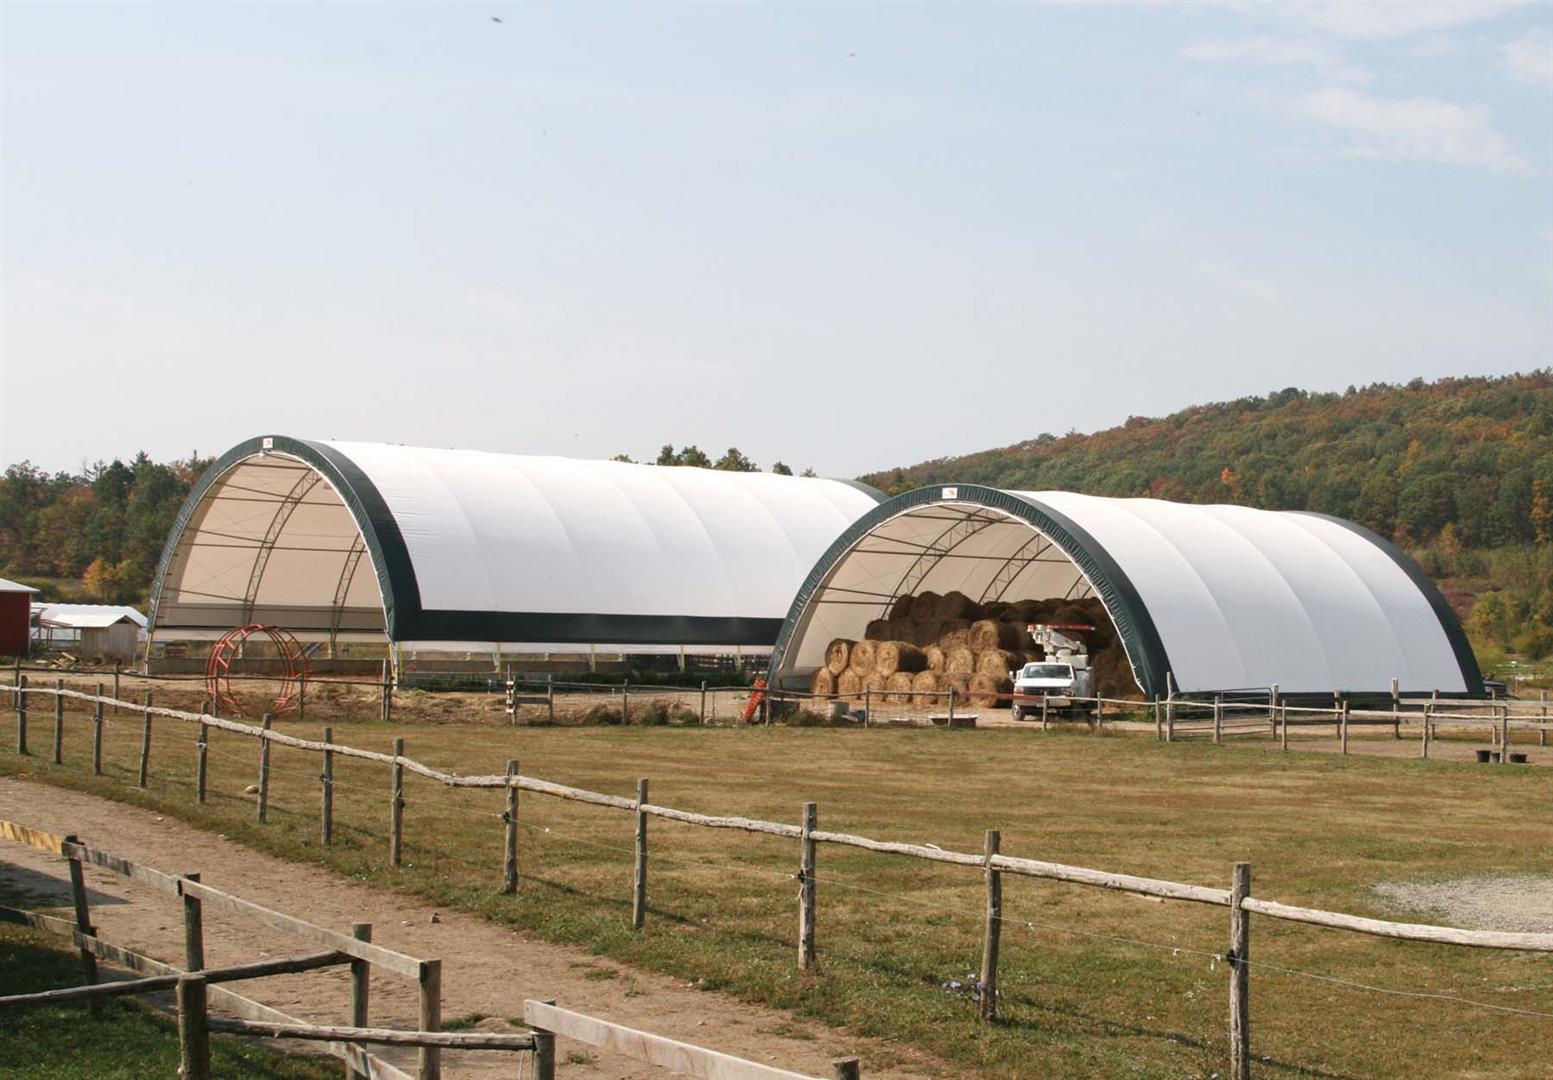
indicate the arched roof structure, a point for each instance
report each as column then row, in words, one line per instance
column 363, row 540
column 1217, row 598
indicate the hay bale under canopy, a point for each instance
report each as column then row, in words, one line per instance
column 990, row 691
column 899, row 686
column 849, row 683
column 986, row 634
column 878, row 630
column 838, row 655
column 901, row 609
column 999, row 662
column 959, row 659
column 934, row 654
column 822, row 682
column 893, row 656
column 924, row 684
column 863, row 655
column 875, row 683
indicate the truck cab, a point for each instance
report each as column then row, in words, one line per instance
column 1055, row 682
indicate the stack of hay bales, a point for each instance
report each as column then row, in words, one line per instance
column 930, row 643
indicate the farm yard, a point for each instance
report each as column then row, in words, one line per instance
column 1093, row 982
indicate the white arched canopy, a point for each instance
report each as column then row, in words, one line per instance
column 1217, row 598
column 360, row 540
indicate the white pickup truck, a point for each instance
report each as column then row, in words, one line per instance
column 1056, row 681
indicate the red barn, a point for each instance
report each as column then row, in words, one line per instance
column 15, row 618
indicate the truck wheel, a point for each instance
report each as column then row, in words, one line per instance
column 1019, row 712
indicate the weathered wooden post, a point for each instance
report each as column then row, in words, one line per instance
column 326, row 794
column 951, row 706
column 431, row 1017
column 703, row 701
column 361, row 972
column 21, row 714
column 1396, row 707
column 993, row 933
column 59, row 721
column 847, row 1068
column 1239, row 980
column 868, row 707
column 639, row 884
column 625, row 702
column 550, row 696
column 83, row 915
column 1272, row 709
column 1343, row 724
column 1428, row 718
column 117, row 666
column 201, row 757
column 1099, row 712
column 806, row 883
column 1218, row 718
column 193, row 1034
column 193, row 927
column 1159, row 720
column 396, row 806
column 97, row 734
column 510, row 817
column 145, row 741
column 1045, row 716
column 1170, row 706
column 264, row 769
column 544, row 1050
column 1504, row 733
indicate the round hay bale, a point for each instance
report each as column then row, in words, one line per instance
column 998, row 662
column 901, row 609
column 899, row 686
column 875, row 683
column 986, row 634
column 878, row 630
column 862, row 659
column 956, row 638
column 958, row 681
column 934, row 655
column 956, row 605
column 923, row 685
column 822, row 682
column 959, row 660
column 849, row 684
column 893, row 656
column 990, row 691
column 920, row 632
column 838, row 655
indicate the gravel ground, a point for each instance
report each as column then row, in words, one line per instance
column 1519, row 903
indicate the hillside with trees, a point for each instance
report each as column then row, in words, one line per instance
column 1458, row 472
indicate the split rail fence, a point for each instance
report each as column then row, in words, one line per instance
column 197, row 987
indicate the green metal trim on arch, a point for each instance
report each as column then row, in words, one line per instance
column 1134, row 626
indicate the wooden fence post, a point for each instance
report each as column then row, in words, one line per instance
column 83, row 915
column 868, row 705
column 202, row 757
column 117, row 665
column 1343, row 724
column 994, row 930
column 21, row 714
column 1542, row 735
column 847, row 1068
column 951, row 706
column 1428, row 717
column 1396, row 707
column 193, row 1034
column 544, row 1050
column 1504, row 734
column 59, row 721
column 396, row 806
column 1218, row 718
column 97, row 734
column 193, row 928
column 1045, row 716
column 382, row 709
column 326, row 783
column 1099, row 712
column 1159, row 721
column 550, row 695
column 639, row 884
column 361, row 972
column 431, row 1017
column 1272, row 709
column 1170, row 706
column 625, row 702
column 510, row 817
column 806, row 883
column 1239, row 983
column 264, row 770
column 145, row 741
column 703, row 701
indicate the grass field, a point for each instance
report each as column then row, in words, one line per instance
column 1094, row 983
column 122, row 1042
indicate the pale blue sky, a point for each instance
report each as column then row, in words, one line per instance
column 850, row 236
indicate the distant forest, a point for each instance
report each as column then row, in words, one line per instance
column 1458, row 472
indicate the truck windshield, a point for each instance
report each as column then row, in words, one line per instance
column 1046, row 671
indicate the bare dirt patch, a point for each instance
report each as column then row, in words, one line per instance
column 1520, row 903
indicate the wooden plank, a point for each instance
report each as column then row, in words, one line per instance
column 232, row 973
column 26, row 834
column 398, row 963
column 653, row 1049
column 452, row 1040
column 1446, row 935
column 167, row 883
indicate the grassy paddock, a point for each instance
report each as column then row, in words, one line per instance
column 896, row 935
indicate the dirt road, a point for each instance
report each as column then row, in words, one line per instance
column 487, row 970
